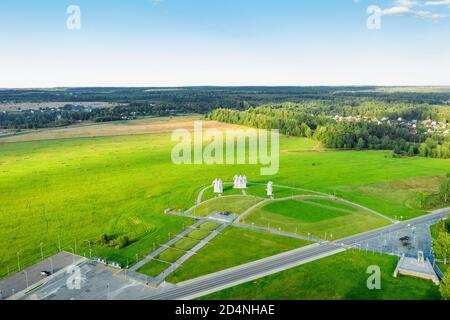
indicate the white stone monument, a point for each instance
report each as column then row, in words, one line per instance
column 240, row 182
column 244, row 182
column 270, row 189
column 218, row 186
column 236, row 182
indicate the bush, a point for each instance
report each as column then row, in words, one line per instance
column 444, row 288
column 123, row 242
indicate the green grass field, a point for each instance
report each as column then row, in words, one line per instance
column 170, row 255
column 186, row 244
column 233, row 247
column 444, row 267
column 339, row 277
column 325, row 219
column 332, row 204
column 210, row 226
column 153, row 268
column 66, row 193
column 234, row 204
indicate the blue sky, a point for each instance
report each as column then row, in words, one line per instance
column 224, row 42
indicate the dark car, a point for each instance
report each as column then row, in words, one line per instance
column 45, row 273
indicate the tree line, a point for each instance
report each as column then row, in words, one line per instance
column 312, row 121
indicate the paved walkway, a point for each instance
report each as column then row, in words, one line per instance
column 161, row 277
column 419, row 240
column 171, row 242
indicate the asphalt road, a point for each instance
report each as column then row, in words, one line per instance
column 32, row 275
column 231, row 277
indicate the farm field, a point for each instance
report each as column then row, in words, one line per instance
column 65, row 194
column 145, row 125
column 233, row 247
column 318, row 280
column 323, row 219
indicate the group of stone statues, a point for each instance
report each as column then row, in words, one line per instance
column 240, row 183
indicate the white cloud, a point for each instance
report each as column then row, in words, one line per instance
column 396, row 11
column 414, row 8
column 437, row 3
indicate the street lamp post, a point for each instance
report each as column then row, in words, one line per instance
column 42, row 252
column 51, row 265
column 26, row 277
column 18, row 260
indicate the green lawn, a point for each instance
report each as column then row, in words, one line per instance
column 199, row 234
column 330, row 220
column 397, row 199
column 227, row 191
column 67, row 193
column 210, row 226
column 186, row 244
column 170, row 255
column 233, row 247
column 234, row 204
column 339, row 277
column 332, row 204
column 301, row 211
column 444, row 267
column 153, row 268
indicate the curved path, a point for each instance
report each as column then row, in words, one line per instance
column 319, row 195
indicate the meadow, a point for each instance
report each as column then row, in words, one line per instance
column 233, row 203
column 65, row 194
column 233, row 247
column 318, row 218
column 318, row 280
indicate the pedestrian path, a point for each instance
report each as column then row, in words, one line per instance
column 161, row 277
column 171, row 242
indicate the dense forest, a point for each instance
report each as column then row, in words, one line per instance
column 339, row 117
column 397, row 127
column 136, row 102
